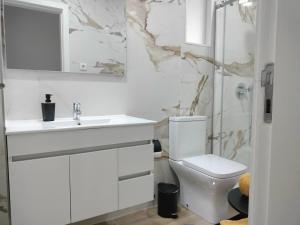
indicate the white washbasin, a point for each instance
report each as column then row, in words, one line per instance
column 29, row 126
column 82, row 122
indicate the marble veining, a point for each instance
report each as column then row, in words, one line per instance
column 232, row 115
column 200, row 88
column 97, row 36
column 248, row 14
column 168, row 49
column 138, row 17
column 239, row 140
column 241, row 69
column 112, row 67
column 86, row 20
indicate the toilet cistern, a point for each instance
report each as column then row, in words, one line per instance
column 76, row 111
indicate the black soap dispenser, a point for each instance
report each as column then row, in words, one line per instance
column 48, row 109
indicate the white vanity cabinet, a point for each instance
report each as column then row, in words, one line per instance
column 62, row 176
column 94, row 184
column 40, row 191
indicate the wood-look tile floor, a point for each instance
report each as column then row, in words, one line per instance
column 150, row 217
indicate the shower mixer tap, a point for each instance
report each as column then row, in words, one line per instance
column 242, row 91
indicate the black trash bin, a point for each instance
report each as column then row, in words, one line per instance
column 167, row 200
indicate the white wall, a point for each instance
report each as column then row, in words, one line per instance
column 284, row 197
column 98, row 95
column 275, row 191
column 261, row 141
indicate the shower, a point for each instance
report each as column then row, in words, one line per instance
column 233, row 82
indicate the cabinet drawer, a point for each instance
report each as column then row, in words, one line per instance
column 136, row 191
column 137, row 159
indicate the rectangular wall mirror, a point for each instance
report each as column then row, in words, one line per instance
column 78, row 36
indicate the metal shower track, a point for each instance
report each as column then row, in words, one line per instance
column 224, row 3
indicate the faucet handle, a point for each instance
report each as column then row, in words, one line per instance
column 76, row 106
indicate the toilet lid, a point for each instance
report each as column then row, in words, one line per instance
column 215, row 166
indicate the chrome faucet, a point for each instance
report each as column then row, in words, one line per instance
column 76, row 111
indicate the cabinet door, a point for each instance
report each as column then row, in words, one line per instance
column 39, row 191
column 94, row 184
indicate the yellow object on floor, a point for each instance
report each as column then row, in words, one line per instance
column 236, row 222
column 245, row 183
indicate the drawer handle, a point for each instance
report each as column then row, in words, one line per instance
column 131, row 176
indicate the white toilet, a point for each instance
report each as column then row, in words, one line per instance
column 205, row 179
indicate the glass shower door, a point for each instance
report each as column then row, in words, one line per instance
column 235, row 57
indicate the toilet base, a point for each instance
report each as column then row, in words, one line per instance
column 204, row 195
column 211, row 207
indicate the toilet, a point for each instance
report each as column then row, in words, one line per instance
column 205, row 179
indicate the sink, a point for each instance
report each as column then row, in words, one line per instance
column 82, row 122
column 59, row 123
column 30, row 126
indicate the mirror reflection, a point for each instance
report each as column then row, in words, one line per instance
column 78, row 36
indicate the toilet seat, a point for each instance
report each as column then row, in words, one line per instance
column 215, row 166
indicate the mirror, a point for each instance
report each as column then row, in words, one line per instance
column 78, row 36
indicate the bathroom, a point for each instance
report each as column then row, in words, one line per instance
column 155, row 61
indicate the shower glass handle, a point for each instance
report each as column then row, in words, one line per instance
column 267, row 77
